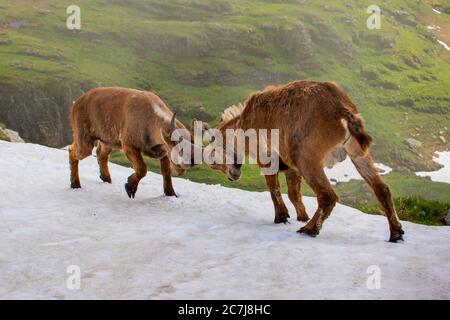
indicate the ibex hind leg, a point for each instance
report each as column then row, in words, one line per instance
column 369, row 172
column 77, row 152
column 140, row 169
column 103, row 152
column 294, row 181
column 315, row 177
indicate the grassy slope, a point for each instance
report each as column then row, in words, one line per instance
column 186, row 51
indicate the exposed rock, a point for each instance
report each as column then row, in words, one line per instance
column 241, row 40
column 5, row 41
column 18, row 65
column 17, row 24
column 175, row 11
column 13, row 135
column 393, row 67
column 375, row 79
column 413, row 78
column 43, row 12
column 40, row 112
column 294, row 40
column 447, row 218
column 326, row 36
column 176, row 45
column 412, row 62
column 389, row 85
column 378, row 41
column 225, row 77
column 413, row 144
column 370, row 75
column 443, row 140
column 407, row 102
column 3, row 135
column 350, row 22
column 404, row 18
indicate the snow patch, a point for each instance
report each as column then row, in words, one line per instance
column 436, row 11
column 443, row 174
column 444, row 45
column 209, row 243
column 345, row 171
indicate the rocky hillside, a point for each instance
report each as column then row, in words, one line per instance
column 202, row 56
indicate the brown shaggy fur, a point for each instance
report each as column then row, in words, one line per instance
column 132, row 120
column 314, row 118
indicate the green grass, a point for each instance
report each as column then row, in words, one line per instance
column 417, row 209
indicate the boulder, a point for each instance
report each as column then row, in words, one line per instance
column 13, row 135
column 413, row 144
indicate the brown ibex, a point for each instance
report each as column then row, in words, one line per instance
column 313, row 118
column 138, row 122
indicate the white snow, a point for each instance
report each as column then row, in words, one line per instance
column 444, row 44
column 443, row 174
column 436, row 11
column 211, row 242
column 434, row 27
column 345, row 171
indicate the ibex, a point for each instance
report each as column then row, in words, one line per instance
column 313, row 118
column 138, row 122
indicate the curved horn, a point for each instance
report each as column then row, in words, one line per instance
column 173, row 123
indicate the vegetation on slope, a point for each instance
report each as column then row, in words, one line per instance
column 417, row 210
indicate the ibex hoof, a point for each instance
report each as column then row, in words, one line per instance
column 131, row 191
column 105, row 179
column 282, row 218
column 396, row 236
column 309, row 232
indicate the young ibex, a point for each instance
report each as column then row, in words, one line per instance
column 313, row 119
column 138, row 122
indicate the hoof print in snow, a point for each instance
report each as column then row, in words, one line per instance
column 105, row 179
column 282, row 218
column 131, row 191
